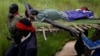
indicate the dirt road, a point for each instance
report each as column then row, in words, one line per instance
column 67, row 50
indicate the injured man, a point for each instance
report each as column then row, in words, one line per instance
column 68, row 15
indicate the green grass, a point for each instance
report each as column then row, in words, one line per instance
column 55, row 40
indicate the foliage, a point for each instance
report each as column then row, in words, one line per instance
column 54, row 42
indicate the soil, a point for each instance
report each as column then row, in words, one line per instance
column 67, row 50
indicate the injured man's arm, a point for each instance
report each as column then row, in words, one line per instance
column 66, row 28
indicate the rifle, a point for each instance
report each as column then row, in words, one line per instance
column 29, row 11
column 28, row 8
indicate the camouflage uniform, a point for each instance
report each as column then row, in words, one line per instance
column 11, row 24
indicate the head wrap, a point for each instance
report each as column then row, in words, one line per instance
column 23, row 26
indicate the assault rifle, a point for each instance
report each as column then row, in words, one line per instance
column 29, row 11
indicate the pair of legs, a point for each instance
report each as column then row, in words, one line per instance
column 13, row 50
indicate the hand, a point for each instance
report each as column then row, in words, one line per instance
column 74, row 32
column 32, row 18
column 9, row 38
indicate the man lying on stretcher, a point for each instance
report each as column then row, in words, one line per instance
column 70, row 15
column 50, row 14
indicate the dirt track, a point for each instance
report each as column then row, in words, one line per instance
column 67, row 50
